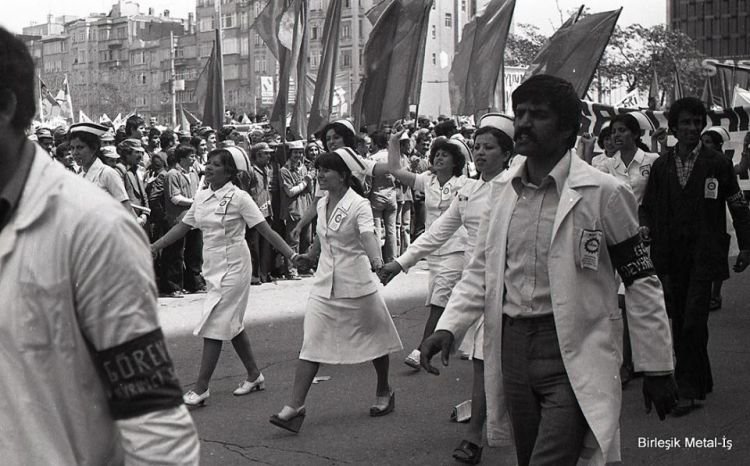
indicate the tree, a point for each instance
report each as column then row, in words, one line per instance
column 522, row 47
column 634, row 52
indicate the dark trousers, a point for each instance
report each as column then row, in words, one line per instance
column 193, row 278
column 172, row 263
column 158, row 228
column 418, row 219
column 548, row 424
column 182, row 262
column 261, row 252
column 687, row 305
column 299, row 243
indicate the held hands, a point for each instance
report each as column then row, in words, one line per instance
column 660, row 391
column 440, row 341
column 389, row 272
column 743, row 260
column 302, row 261
column 376, row 264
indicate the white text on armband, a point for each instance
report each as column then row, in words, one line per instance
column 631, row 260
column 139, row 376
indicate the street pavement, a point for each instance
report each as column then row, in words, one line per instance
column 338, row 429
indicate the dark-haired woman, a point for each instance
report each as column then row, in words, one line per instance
column 631, row 165
column 439, row 185
column 346, row 320
column 85, row 147
column 221, row 212
column 493, row 148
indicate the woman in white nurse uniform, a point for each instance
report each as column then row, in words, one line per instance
column 440, row 185
column 221, row 212
column 346, row 320
column 493, row 148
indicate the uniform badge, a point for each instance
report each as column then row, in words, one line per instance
column 645, row 170
column 221, row 209
column 711, row 190
column 338, row 216
column 591, row 242
column 447, row 192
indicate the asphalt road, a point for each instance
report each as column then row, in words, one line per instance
column 338, row 429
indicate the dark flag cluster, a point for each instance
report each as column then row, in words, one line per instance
column 394, row 58
column 574, row 51
column 477, row 66
column 393, row 62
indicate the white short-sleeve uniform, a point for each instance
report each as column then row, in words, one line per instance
column 221, row 216
column 346, row 321
column 107, row 178
column 447, row 261
column 635, row 175
column 465, row 211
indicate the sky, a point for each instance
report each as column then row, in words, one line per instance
column 541, row 13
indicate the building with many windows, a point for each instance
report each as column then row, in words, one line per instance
column 720, row 28
column 121, row 61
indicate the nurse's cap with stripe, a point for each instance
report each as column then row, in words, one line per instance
column 240, row 158
column 498, row 121
column 353, row 162
column 87, row 127
column 722, row 132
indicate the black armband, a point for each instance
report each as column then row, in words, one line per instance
column 631, row 260
column 138, row 376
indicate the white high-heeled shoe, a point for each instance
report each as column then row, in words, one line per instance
column 247, row 386
column 193, row 399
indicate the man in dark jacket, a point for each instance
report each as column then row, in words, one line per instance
column 684, row 211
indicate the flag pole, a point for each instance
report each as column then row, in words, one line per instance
column 39, row 88
column 220, row 57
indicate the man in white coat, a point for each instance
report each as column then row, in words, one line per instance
column 543, row 275
column 87, row 377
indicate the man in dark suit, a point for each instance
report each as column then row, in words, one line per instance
column 684, row 212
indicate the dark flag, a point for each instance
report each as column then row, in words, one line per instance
column 653, row 89
column 477, row 64
column 393, row 62
column 268, row 22
column 708, row 94
column 374, row 13
column 292, row 41
column 322, row 102
column 574, row 51
column 209, row 90
column 677, row 91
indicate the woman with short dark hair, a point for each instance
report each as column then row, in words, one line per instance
column 221, row 212
column 346, row 320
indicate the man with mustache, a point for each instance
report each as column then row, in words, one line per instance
column 684, row 209
column 542, row 274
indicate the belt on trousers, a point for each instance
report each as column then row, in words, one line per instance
column 543, row 321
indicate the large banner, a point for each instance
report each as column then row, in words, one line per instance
column 735, row 120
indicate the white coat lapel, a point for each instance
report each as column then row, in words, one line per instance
column 569, row 196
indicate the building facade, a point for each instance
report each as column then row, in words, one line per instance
column 720, row 28
column 121, row 61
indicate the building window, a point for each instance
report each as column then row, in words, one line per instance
column 346, row 59
column 245, row 46
column 140, row 101
column 346, row 30
column 206, row 49
column 434, row 59
column 463, row 5
column 434, row 31
column 314, row 33
column 448, row 20
column 142, row 80
column 230, row 46
column 229, row 21
column 206, row 24
column 258, row 40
